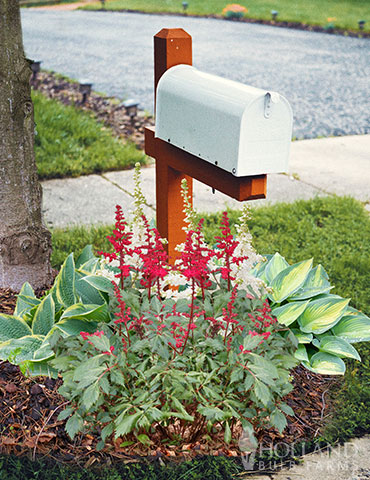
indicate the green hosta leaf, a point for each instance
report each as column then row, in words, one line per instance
column 326, row 364
column 275, row 266
column 12, row 327
column 100, row 283
column 87, row 293
column 74, row 425
column 320, row 315
column 126, row 423
column 36, row 369
column 22, row 306
column 73, row 326
column 288, row 313
column 262, row 392
column 65, row 283
column 43, row 320
column 90, row 395
column 25, row 348
column 98, row 313
column 289, row 280
column 301, row 354
column 317, row 283
column 278, row 420
column 227, row 435
column 302, row 337
column 86, row 254
column 338, row 346
column 352, row 328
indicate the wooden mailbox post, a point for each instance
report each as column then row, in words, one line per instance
column 173, row 47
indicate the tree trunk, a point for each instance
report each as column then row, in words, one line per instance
column 25, row 243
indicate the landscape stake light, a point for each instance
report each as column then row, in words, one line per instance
column 185, row 6
column 102, row 3
column 85, row 89
column 35, row 67
column 274, row 14
column 130, row 106
column 361, row 24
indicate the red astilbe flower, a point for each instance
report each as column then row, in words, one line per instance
column 121, row 240
column 154, row 258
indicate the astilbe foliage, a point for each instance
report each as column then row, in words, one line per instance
column 175, row 368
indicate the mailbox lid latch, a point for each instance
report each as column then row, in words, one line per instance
column 270, row 99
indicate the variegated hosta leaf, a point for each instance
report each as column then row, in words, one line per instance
column 12, row 327
column 320, row 315
column 90, row 266
column 289, row 280
column 43, row 353
column 98, row 313
column 259, row 271
column 353, row 328
column 73, row 326
column 22, row 348
column 86, row 255
column 100, row 283
column 301, row 353
column 43, row 320
column 288, row 313
column 275, row 266
column 22, row 304
column 86, row 292
column 317, row 283
column 65, row 283
column 302, row 337
column 36, row 369
column 326, row 364
column 338, row 346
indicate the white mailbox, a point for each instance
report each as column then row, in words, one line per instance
column 242, row 129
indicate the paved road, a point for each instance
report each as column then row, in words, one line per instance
column 325, row 77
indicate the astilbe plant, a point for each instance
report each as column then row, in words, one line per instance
column 181, row 358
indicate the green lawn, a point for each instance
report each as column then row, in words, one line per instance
column 41, row 3
column 70, row 142
column 333, row 230
column 347, row 13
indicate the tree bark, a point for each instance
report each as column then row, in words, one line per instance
column 25, row 243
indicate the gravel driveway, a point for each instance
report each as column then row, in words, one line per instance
column 325, row 77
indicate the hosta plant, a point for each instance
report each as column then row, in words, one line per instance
column 189, row 349
column 77, row 301
column 323, row 323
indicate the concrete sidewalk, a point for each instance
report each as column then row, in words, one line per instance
column 338, row 165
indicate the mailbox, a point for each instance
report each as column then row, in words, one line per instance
column 242, row 129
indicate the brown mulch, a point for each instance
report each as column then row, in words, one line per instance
column 105, row 109
column 29, row 408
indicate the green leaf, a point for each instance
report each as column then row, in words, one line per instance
column 250, row 342
column 90, row 396
column 65, row 413
column 352, row 328
column 65, row 283
column 278, row 420
column 288, row 313
column 286, row 409
column 339, row 347
column 144, row 439
column 26, row 347
column 179, row 407
column 74, row 425
column 37, row 369
column 12, row 327
column 227, row 435
column 326, row 364
column 44, row 352
column 98, row 313
column 87, row 294
column 317, row 283
column 321, row 315
column 262, row 392
column 107, row 431
column 90, row 266
column 264, row 369
column 100, row 283
column 126, row 423
column 302, row 337
column 23, row 306
column 43, row 320
column 86, row 254
column 289, row 280
column 101, row 343
column 301, row 354
column 275, row 266
column 73, row 326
